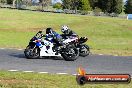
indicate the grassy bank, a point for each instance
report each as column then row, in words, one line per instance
column 106, row 35
column 35, row 80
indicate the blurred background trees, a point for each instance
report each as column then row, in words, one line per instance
column 57, row 5
column 128, row 7
column 83, row 6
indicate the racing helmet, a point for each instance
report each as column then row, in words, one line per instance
column 64, row 28
column 49, row 31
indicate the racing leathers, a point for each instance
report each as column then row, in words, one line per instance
column 68, row 33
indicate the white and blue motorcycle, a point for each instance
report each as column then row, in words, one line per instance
column 39, row 46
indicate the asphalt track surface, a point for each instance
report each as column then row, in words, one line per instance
column 14, row 60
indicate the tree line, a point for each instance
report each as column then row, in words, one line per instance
column 106, row 6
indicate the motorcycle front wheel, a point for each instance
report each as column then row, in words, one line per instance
column 70, row 53
column 84, row 50
column 31, row 53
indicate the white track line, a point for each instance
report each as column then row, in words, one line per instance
column 74, row 74
column 61, row 73
column 100, row 54
column 2, row 48
column 13, row 70
column 43, row 72
column 19, row 49
column 27, row 71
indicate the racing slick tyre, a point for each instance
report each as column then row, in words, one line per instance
column 31, row 53
column 70, row 53
column 84, row 50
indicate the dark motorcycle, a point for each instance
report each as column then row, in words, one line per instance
column 84, row 49
column 79, row 43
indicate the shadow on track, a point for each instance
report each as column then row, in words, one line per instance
column 52, row 57
column 47, row 57
column 17, row 55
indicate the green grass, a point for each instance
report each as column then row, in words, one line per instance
column 106, row 35
column 35, row 80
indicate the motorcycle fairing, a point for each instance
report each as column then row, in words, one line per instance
column 70, row 40
column 38, row 44
column 44, row 51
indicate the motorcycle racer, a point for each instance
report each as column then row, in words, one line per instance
column 67, row 32
column 79, row 42
column 54, row 37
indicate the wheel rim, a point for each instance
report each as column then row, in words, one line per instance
column 71, row 53
column 84, row 50
column 32, row 52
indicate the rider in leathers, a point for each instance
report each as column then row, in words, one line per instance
column 55, row 38
column 67, row 32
